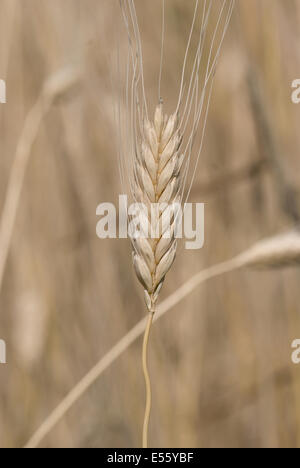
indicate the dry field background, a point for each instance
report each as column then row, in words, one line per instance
column 220, row 361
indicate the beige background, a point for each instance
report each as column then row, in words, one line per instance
column 220, row 361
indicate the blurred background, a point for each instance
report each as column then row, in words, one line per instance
column 221, row 360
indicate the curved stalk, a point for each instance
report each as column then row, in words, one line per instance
column 147, row 380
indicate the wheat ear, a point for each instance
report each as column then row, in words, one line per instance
column 156, row 186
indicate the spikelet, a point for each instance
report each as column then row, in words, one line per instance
column 156, row 187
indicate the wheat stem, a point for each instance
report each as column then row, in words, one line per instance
column 147, row 380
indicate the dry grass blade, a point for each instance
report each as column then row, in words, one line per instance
column 277, row 252
column 55, row 86
column 285, row 249
column 136, row 332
